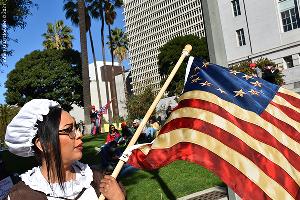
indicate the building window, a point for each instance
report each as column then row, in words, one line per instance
column 288, row 61
column 241, row 37
column 289, row 14
column 236, row 7
column 297, row 84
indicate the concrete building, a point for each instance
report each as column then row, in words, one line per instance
column 271, row 28
column 152, row 23
column 105, row 80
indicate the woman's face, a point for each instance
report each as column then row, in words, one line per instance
column 71, row 148
column 112, row 128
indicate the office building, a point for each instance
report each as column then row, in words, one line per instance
column 253, row 29
column 149, row 25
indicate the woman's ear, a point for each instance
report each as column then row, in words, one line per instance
column 38, row 144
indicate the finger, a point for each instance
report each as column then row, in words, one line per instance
column 103, row 185
column 104, row 181
column 107, row 180
column 109, row 177
column 103, row 191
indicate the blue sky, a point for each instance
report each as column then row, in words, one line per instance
column 30, row 38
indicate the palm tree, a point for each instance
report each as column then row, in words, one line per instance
column 110, row 16
column 85, row 70
column 71, row 8
column 98, row 10
column 119, row 45
column 58, row 36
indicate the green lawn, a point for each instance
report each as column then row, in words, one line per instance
column 175, row 180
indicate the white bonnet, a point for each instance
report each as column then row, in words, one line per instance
column 22, row 129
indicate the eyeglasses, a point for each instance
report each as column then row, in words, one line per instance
column 70, row 131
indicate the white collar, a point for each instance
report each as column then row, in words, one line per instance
column 36, row 181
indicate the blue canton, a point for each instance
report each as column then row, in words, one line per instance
column 249, row 92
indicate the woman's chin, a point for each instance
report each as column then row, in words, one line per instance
column 78, row 155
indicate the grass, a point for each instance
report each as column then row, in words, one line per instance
column 173, row 181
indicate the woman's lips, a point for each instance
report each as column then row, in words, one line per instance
column 80, row 147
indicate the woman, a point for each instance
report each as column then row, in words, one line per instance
column 112, row 135
column 43, row 129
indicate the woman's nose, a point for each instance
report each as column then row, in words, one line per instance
column 78, row 134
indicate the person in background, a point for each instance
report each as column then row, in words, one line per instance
column 257, row 70
column 94, row 120
column 81, row 127
column 151, row 130
column 135, row 125
column 42, row 129
column 159, row 120
column 153, row 123
column 109, row 156
column 168, row 111
column 126, row 133
column 113, row 134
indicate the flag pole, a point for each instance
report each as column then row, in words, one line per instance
column 185, row 52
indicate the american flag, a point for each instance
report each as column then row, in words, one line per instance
column 242, row 128
column 103, row 109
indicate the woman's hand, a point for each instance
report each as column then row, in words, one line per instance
column 111, row 189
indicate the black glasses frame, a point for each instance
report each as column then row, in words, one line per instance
column 70, row 131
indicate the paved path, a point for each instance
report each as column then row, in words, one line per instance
column 214, row 193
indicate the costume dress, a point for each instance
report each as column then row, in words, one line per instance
column 80, row 188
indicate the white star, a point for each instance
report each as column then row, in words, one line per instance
column 206, row 83
column 196, row 79
column 192, row 76
column 234, row 72
column 197, row 68
column 253, row 92
column 256, row 83
column 247, row 77
column 205, row 64
column 239, row 93
column 222, row 91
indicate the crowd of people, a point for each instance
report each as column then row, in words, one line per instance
column 116, row 142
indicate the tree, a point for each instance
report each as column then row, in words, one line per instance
column 270, row 71
column 71, row 8
column 7, row 113
column 98, row 10
column 58, row 36
column 138, row 105
column 85, row 69
column 13, row 15
column 52, row 74
column 119, row 45
column 110, row 16
column 171, row 52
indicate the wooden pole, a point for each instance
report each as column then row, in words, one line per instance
column 137, row 133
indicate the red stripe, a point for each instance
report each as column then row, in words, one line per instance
column 288, row 111
column 284, row 127
column 292, row 100
column 157, row 158
column 269, row 168
column 253, row 130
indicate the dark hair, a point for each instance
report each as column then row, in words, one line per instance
column 153, row 118
column 47, row 133
column 110, row 129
